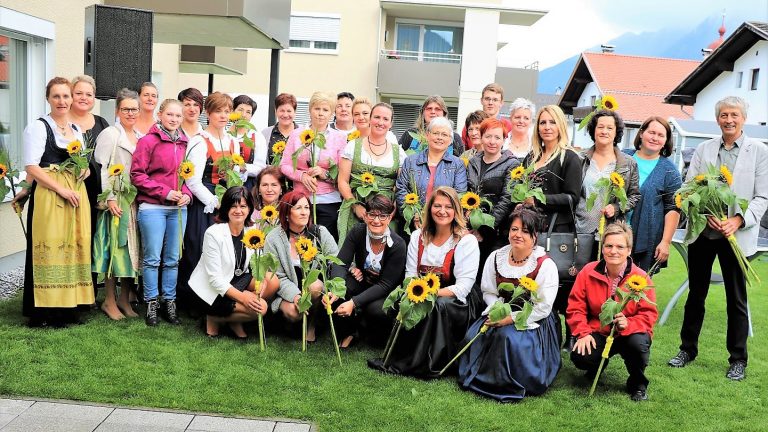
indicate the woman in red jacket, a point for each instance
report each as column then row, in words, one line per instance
column 597, row 282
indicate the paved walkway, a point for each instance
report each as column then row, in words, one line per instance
column 71, row 416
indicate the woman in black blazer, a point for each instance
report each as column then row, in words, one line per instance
column 374, row 260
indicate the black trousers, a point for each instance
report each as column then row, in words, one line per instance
column 328, row 216
column 369, row 319
column 701, row 256
column 635, row 349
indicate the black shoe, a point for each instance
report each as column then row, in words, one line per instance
column 170, row 314
column 737, row 371
column 639, row 395
column 680, row 360
column 151, row 318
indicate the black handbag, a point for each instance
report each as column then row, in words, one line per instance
column 570, row 251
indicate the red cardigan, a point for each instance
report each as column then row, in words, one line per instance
column 592, row 288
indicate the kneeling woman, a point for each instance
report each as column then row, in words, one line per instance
column 505, row 363
column 222, row 278
column 376, row 260
column 597, row 282
column 295, row 222
column 445, row 248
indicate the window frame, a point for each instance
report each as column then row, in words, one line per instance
column 754, row 78
column 312, row 49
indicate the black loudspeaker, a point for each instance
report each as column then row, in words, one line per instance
column 118, row 48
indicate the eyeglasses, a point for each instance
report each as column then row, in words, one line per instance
column 442, row 135
column 489, row 99
column 377, row 216
column 129, row 110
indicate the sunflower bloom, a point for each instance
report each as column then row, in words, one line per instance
column 411, row 198
column 617, row 179
column 3, row 171
column 700, row 178
column 254, row 238
column 278, row 147
column 433, row 282
column 238, row 160
column 517, row 173
column 235, row 116
column 726, row 174
column 637, row 283
column 116, row 170
column 186, row 170
column 466, row 161
column 269, row 213
column 303, row 244
column 355, row 134
column 74, row 147
column 528, row 284
column 367, row 178
column 679, row 201
column 470, row 201
column 417, row 290
column 309, row 255
column 307, row 136
column 609, row 103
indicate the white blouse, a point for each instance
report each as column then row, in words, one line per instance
column 466, row 261
column 35, row 136
column 197, row 152
column 547, row 280
column 259, row 153
column 384, row 161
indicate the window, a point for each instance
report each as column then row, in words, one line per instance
column 13, row 99
column 593, row 101
column 739, row 79
column 315, row 33
column 755, row 76
column 429, row 42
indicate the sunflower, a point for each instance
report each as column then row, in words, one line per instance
column 269, row 213
column 254, row 238
column 3, row 171
column 617, row 180
column 433, row 282
column 679, row 201
column 726, row 174
column 609, row 103
column 637, row 283
column 367, row 178
column 303, row 244
column 238, row 160
column 700, row 178
column 235, row 116
column 517, row 173
column 470, row 201
column 417, row 290
column 307, row 136
column 278, row 147
column 466, row 161
column 528, row 284
column 186, row 170
column 116, row 170
column 411, row 198
column 74, row 147
column 355, row 134
column 309, row 255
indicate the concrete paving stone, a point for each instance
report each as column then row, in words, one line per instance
column 38, row 423
column 142, row 419
column 14, row 406
column 291, row 427
column 119, row 427
column 5, row 419
column 226, row 424
column 68, row 411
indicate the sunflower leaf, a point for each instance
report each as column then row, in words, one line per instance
column 337, row 286
column 506, row 286
column 311, row 277
column 392, row 298
column 305, row 301
column 499, row 311
column 609, row 309
column 521, row 319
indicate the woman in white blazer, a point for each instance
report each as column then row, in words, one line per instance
column 222, row 278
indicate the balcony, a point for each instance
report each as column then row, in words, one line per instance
column 418, row 73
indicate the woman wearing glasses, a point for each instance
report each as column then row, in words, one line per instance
column 116, row 233
column 374, row 262
column 433, row 107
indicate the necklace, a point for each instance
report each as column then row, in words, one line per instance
column 297, row 234
column 238, row 256
column 60, row 127
column 372, row 145
column 514, row 261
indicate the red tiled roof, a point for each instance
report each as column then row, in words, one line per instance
column 639, row 84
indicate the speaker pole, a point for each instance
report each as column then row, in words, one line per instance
column 274, row 81
column 210, row 83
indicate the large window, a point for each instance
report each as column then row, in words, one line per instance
column 13, row 85
column 429, row 42
column 315, row 33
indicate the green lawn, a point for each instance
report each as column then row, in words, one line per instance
column 127, row 363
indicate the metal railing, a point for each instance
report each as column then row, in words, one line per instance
column 421, row 56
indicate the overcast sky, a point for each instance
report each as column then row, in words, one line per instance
column 572, row 26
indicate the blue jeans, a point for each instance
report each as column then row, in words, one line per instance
column 160, row 235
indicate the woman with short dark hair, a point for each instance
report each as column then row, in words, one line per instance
column 254, row 153
column 192, row 101
column 285, row 113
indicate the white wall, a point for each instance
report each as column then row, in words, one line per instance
column 726, row 85
column 478, row 63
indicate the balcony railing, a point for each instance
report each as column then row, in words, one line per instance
column 421, row 56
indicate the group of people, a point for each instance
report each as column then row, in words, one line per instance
column 186, row 243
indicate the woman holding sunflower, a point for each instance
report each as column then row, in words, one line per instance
column 266, row 194
column 367, row 163
column 117, row 257
column 445, row 249
column 162, row 215
column 293, row 237
column 222, row 278
column 599, row 281
column 57, row 275
column 505, row 363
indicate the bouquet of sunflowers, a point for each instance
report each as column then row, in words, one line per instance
column 608, row 187
column 123, row 192
column 710, row 194
column 524, row 184
column 416, row 299
column 522, row 295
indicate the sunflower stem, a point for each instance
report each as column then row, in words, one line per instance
column 394, row 340
column 456, row 357
column 304, row 332
column 333, row 336
column 603, row 357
